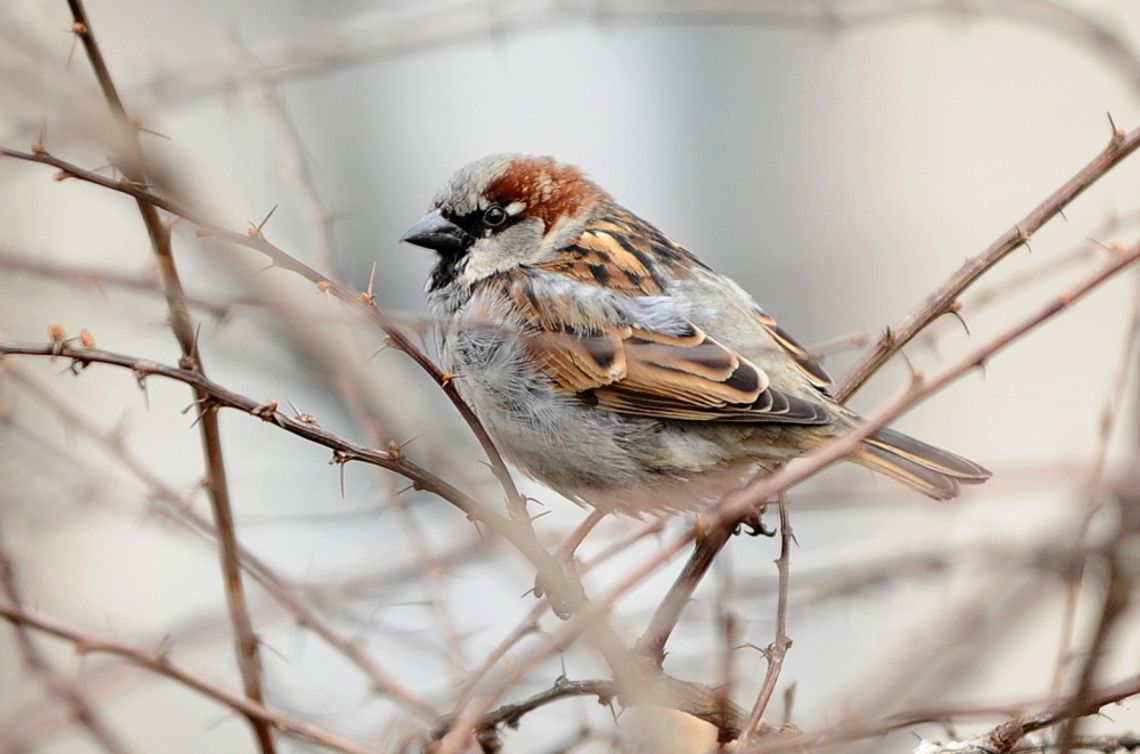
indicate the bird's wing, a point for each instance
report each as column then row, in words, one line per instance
column 624, row 354
column 807, row 363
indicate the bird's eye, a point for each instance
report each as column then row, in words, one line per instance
column 494, row 216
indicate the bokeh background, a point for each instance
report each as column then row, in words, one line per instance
column 838, row 159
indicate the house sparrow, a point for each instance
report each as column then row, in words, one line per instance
column 611, row 364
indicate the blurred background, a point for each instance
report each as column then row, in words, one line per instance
column 838, row 159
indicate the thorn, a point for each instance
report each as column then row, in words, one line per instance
column 954, row 310
column 1023, row 238
column 540, row 515
column 1117, row 132
column 396, row 449
column 136, row 122
column 368, row 297
column 915, row 374
column 255, row 231
column 140, row 379
column 1061, row 212
column 77, row 365
column 387, row 344
column 302, row 416
column 265, row 411
column 446, row 378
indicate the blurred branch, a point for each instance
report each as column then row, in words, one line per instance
column 255, row 239
column 78, row 704
column 407, row 30
column 178, row 509
column 511, row 714
column 563, row 586
column 774, row 653
column 159, row 662
column 185, row 332
column 731, row 508
column 1027, row 717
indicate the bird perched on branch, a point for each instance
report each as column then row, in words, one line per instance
column 611, row 364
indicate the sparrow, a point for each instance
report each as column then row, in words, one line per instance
column 612, row 365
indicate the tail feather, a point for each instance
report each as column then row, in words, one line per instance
column 930, row 470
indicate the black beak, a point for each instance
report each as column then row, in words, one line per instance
column 433, row 231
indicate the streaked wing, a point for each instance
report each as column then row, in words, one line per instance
column 800, row 356
column 625, row 367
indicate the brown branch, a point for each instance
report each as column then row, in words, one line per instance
column 177, row 508
column 79, row 706
column 417, row 29
column 708, row 545
column 1110, row 416
column 732, row 507
column 942, row 300
column 160, row 663
column 97, row 277
column 563, row 586
column 256, row 241
column 511, row 714
column 776, row 651
column 1028, row 717
column 181, row 323
column 1117, row 596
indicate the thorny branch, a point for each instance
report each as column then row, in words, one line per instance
column 57, row 685
column 133, row 165
column 179, row 509
column 160, row 663
column 941, row 302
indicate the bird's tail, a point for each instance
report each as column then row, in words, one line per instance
column 932, row 471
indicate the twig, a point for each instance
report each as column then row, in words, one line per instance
column 178, row 509
column 733, row 506
column 708, row 545
column 134, row 171
column 1117, row 596
column 1110, row 416
column 942, row 300
column 1028, row 716
column 563, row 586
column 284, row 260
column 775, row 651
column 511, row 714
column 79, row 706
column 160, row 663
column 427, row 26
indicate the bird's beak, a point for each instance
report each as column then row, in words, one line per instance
column 433, row 231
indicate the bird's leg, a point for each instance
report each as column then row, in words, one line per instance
column 754, row 520
column 566, row 551
column 581, row 531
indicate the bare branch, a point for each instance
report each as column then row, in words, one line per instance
column 940, row 301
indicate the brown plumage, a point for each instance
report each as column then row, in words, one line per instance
column 617, row 360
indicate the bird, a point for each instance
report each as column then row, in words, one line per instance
column 611, row 364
